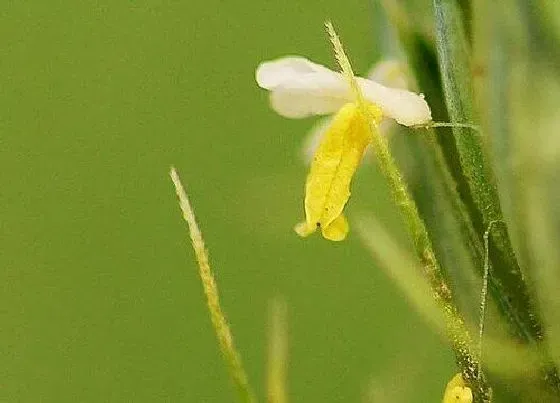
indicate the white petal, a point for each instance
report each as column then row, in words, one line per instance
column 407, row 108
column 301, row 104
column 301, row 88
column 287, row 69
column 390, row 73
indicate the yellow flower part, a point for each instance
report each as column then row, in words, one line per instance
column 390, row 73
column 328, row 184
column 457, row 391
column 300, row 88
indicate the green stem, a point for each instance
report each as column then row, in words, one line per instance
column 457, row 331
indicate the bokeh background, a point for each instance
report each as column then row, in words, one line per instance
column 100, row 296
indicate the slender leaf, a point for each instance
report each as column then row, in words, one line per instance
column 454, row 67
column 423, row 61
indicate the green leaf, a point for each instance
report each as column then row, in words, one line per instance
column 454, row 66
column 423, row 61
column 431, row 186
column 454, row 62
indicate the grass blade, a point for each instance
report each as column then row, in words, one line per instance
column 454, row 66
column 422, row 59
column 456, row 78
column 277, row 352
column 221, row 327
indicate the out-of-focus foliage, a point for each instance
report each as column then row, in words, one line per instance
column 101, row 299
column 101, row 302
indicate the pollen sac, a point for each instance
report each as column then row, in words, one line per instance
column 327, row 189
column 457, row 391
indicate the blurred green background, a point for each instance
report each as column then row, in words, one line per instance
column 101, row 300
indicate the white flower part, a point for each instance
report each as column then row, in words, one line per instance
column 393, row 74
column 301, row 88
column 390, row 73
column 406, row 107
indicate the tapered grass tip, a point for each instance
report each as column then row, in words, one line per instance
column 221, row 327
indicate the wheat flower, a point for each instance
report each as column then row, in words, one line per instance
column 300, row 88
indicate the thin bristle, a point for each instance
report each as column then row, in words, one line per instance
column 346, row 68
column 343, row 61
column 221, row 327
